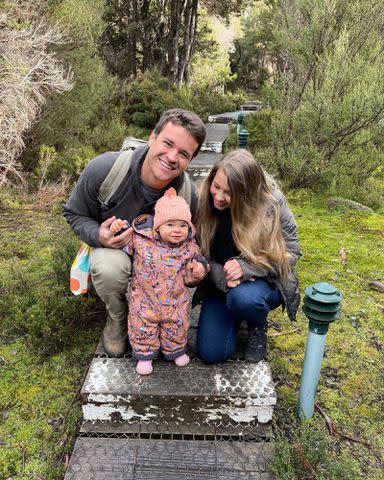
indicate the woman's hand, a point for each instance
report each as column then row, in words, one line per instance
column 198, row 270
column 193, row 273
column 234, row 273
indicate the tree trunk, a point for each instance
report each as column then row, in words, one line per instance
column 146, row 39
column 132, row 41
column 190, row 19
column 174, row 38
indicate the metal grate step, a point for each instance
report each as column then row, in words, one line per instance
column 233, row 431
column 234, row 391
column 139, row 459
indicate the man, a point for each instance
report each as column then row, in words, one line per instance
column 175, row 140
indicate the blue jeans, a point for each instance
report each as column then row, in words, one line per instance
column 221, row 316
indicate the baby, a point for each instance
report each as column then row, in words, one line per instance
column 162, row 246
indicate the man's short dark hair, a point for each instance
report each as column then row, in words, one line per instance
column 189, row 120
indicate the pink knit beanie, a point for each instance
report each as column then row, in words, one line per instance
column 171, row 207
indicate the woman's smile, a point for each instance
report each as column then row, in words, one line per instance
column 220, row 191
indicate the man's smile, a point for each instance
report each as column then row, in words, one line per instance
column 166, row 165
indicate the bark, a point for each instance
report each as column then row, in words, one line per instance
column 132, row 42
column 174, row 38
column 146, row 37
column 189, row 39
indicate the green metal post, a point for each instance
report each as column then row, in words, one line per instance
column 242, row 138
column 322, row 306
column 240, row 119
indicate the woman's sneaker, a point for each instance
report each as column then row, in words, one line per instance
column 256, row 348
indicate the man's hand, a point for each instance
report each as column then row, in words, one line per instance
column 107, row 235
column 234, row 273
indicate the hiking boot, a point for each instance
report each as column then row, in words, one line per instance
column 115, row 337
column 256, row 347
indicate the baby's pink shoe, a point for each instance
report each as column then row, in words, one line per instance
column 182, row 361
column 144, row 367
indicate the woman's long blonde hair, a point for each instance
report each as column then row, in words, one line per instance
column 255, row 214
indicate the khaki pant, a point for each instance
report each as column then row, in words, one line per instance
column 110, row 270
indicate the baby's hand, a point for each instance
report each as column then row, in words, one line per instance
column 118, row 225
column 198, row 270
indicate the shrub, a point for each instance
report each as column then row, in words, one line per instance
column 328, row 93
column 145, row 99
column 150, row 94
column 52, row 165
column 108, row 135
column 207, row 102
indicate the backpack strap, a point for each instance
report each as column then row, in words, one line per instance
column 186, row 189
column 115, row 176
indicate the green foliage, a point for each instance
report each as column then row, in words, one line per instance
column 46, row 340
column 68, row 117
column 250, row 57
column 210, row 62
column 47, row 156
column 39, row 414
column 258, row 125
column 71, row 161
column 308, row 454
column 87, row 115
column 108, row 134
column 207, row 102
column 35, row 299
column 150, row 35
column 371, row 193
column 328, row 98
column 146, row 98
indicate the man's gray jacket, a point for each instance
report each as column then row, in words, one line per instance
column 84, row 212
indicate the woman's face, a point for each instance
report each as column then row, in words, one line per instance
column 220, row 191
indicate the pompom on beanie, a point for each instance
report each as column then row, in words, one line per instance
column 171, row 207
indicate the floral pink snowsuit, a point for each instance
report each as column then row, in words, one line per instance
column 158, row 316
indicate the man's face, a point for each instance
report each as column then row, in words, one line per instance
column 168, row 156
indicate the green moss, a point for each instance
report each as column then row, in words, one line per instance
column 350, row 389
column 36, row 403
column 46, row 342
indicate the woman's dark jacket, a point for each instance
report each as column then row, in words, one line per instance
column 289, row 291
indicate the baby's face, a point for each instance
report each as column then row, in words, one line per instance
column 174, row 231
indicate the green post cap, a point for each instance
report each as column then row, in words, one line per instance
column 240, row 118
column 242, row 138
column 322, row 305
column 323, row 292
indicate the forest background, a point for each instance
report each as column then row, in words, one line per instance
column 76, row 77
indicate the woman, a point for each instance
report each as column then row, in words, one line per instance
column 248, row 234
